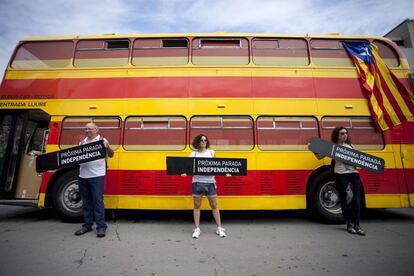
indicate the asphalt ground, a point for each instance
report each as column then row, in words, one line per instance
column 36, row 242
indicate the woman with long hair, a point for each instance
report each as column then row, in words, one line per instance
column 347, row 178
column 204, row 185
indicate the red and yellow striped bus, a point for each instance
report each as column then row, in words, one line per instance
column 256, row 96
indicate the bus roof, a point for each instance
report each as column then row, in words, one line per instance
column 217, row 34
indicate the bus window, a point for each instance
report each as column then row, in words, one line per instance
column 73, row 130
column 155, row 133
column 220, row 51
column 387, row 53
column 102, row 53
column 280, row 52
column 285, row 133
column 330, row 52
column 224, row 132
column 51, row 54
column 160, row 52
column 363, row 133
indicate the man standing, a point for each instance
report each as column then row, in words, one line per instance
column 91, row 185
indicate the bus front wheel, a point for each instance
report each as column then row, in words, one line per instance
column 323, row 199
column 66, row 197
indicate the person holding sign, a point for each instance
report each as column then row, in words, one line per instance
column 204, row 185
column 91, row 185
column 348, row 183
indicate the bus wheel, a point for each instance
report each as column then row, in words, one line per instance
column 323, row 199
column 66, row 197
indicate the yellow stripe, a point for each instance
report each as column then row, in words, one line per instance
column 387, row 200
column 237, row 202
column 190, row 71
column 41, row 202
column 200, row 106
column 411, row 197
column 224, row 202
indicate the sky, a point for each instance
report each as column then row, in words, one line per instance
column 22, row 18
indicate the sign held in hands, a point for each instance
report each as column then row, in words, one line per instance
column 70, row 157
column 347, row 155
column 206, row 166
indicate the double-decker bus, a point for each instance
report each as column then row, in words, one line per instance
column 256, row 96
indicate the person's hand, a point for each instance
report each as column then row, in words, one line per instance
column 183, row 174
column 228, row 175
column 106, row 144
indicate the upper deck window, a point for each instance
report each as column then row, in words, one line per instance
column 47, row 54
column 160, row 52
column 387, row 53
column 280, row 52
column 102, row 53
column 330, row 52
column 220, row 51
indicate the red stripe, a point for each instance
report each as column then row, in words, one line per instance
column 181, row 87
column 263, row 182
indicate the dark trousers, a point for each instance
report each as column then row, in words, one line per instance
column 91, row 191
column 351, row 211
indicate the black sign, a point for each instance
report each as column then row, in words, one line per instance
column 70, row 157
column 347, row 155
column 206, row 166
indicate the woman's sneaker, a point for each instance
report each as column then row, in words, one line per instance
column 350, row 228
column 359, row 230
column 221, row 232
column 196, row 233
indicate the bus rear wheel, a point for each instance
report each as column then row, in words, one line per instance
column 323, row 199
column 66, row 197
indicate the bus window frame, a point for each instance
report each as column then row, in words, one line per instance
column 119, row 119
column 252, row 121
column 158, row 116
column 340, row 42
column 351, row 128
column 286, row 128
column 161, row 47
column 104, row 48
column 307, row 48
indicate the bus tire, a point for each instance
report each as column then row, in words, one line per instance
column 323, row 199
column 66, row 197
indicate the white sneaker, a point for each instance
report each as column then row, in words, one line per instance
column 196, row 233
column 221, row 232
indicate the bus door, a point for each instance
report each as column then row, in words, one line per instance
column 22, row 137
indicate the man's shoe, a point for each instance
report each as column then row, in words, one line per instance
column 196, row 233
column 221, row 232
column 82, row 231
column 350, row 228
column 101, row 232
column 359, row 230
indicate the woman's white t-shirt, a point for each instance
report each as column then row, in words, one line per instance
column 203, row 178
column 341, row 167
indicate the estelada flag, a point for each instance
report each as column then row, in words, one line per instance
column 389, row 100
